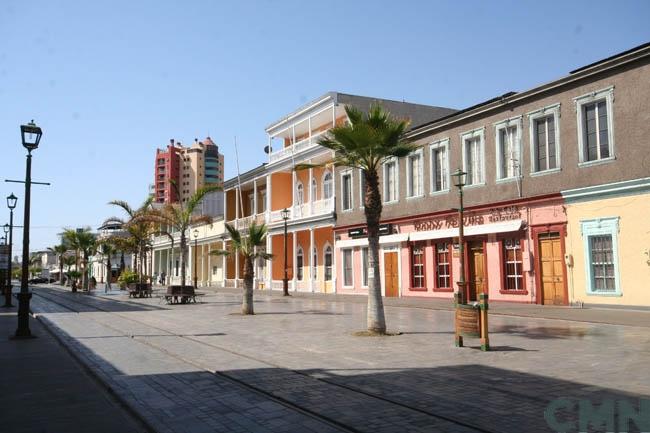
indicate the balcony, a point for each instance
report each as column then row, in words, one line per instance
column 298, row 147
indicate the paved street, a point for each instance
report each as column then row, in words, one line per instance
column 296, row 365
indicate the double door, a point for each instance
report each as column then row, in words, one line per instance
column 551, row 269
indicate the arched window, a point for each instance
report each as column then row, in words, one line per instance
column 312, row 196
column 300, row 194
column 328, row 263
column 314, row 264
column 299, row 263
column 327, row 185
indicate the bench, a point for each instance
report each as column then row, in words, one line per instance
column 140, row 291
column 180, row 295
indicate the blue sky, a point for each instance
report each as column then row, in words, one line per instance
column 111, row 81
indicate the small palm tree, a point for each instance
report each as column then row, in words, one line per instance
column 85, row 241
column 179, row 217
column 107, row 248
column 366, row 142
column 60, row 251
column 68, row 261
column 247, row 245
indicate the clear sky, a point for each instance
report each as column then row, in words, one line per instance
column 109, row 81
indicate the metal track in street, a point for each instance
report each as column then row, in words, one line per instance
column 248, row 386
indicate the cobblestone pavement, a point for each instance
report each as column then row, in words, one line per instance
column 296, row 365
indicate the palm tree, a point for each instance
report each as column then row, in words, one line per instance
column 180, row 217
column 247, row 245
column 60, row 251
column 137, row 228
column 366, row 142
column 107, row 249
column 84, row 241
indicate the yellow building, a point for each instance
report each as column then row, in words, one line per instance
column 608, row 243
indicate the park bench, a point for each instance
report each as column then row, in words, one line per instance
column 180, row 295
column 140, row 290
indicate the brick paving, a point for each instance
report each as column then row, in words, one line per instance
column 206, row 368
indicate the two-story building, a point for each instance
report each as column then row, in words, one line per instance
column 556, row 196
column 307, row 198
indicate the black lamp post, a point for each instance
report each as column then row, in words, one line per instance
column 31, row 136
column 459, row 182
column 11, row 204
column 285, row 280
column 196, row 236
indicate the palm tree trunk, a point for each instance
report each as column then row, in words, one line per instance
column 108, row 272
column 183, row 254
column 145, row 271
column 61, row 269
column 247, row 300
column 84, row 276
column 122, row 264
column 376, row 318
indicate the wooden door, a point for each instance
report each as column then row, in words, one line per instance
column 391, row 274
column 551, row 269
column 477, row 276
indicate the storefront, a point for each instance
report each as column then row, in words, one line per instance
column 511, row 250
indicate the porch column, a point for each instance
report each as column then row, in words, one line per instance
column 237, row 204
column 311, row 190
column 209, row 283
column 294, row 240
column 236, row 269
column 269, row 269
column 268, row 198
column 311, row 258
column 293, row 193
column 334, row 265
column 189, row 271
column 223, row 264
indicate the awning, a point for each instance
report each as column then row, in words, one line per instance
column 500, row 227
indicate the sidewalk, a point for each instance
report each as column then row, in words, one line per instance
column 44, row 389
column 610, row 316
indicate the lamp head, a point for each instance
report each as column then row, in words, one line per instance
column 31, row 135
column 11, row 201
column 6, row 228
column 460, row 178
column 285, row 214
column 196, row 233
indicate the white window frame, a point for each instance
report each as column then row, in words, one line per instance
column 409, row 176
column 394, row 161
column 434, row 146
column 345, row 173
column 263, row 201
column 331, row 186
column 300, row 270
column 332, row 264
column 474, row 133
column 533, row 116
column 498, row 127
column 300, row 193
column 596, row 227
column 343, row 250
column 606, row 94
column 362, row 187
column 313, row 192
column 314, row 264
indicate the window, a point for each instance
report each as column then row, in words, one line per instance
column 390, row 180
column 327, row 185
column 362, row 189
column 312, row 194
column 314, row 264
column 346, row 190
column 347, row 267
column 364, row 266
column 414, row 174
column 300, row 194
column 262, row 204
column 439, row 166
column 512, row 265
column 545, row 139
column 473, row 161
column 299, row 264
column 251, row 204
column 328, row 263
column 595, row 128
column 417, row 266
column 443, row 266
column 508, row 148
column 600, row 238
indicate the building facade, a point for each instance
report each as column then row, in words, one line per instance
column 308, row 196
column 555, row 195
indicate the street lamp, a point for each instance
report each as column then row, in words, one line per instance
column 285, row 280
column 31, row 137
column 196, row 236
column 459, row 182
column 12, row 200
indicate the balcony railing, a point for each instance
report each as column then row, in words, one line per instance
column 318, row 207
column 299, row 146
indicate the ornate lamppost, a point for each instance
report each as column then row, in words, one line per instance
column 11, row 204
column 196, row 239
column 285, row 280
column 459, row 182
column 31, row 137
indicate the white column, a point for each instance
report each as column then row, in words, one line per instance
column 223, row 265
column 172, row 273
column 237, row 203
column 334, row 264
column 209, row 283
column 269, row 263
column 236, row 269
column 311, row 259
column 268, row 198
column 190, row 264
column 293, row 192
column 295, row 267
column 202, row 252
column 311, row 191
column 254, row 210
column 334, row 194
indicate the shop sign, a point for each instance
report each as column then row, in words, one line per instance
column 361, row 232
column 506, row 213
